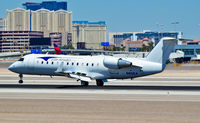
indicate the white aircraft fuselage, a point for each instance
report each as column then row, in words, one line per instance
column 92, row 66
column 100, row 68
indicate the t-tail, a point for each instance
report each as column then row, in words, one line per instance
column 162, row 50
column 57, row 49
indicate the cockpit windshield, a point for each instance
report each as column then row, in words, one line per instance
column 21, row 59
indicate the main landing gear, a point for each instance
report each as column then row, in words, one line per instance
column 84, row 83
column 21, row 78
column 99, row 82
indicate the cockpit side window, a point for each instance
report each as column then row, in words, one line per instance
column 21, row 59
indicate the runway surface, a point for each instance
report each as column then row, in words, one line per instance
column 172, row 96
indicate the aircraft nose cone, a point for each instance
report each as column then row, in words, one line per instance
column 11, row 67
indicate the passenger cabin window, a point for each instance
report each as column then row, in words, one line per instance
column 67, row 63
column 72, row 63
column 87, row 64
column 21, row 59
column 92, row 64
column 47, row 62
column 52, row 63
column 77, row 64
column 42, row 62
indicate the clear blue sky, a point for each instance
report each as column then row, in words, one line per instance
column 132, row 15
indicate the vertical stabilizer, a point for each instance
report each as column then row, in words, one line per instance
column 57, row 49
column 162, row 50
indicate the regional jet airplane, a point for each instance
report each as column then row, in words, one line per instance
column 100, row 68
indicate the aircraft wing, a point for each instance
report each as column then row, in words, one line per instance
column 83, row 78
column 73, row 73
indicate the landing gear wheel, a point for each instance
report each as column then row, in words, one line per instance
column 21, row 78
column 84, row 83
column 99, row 82
column 20, row 81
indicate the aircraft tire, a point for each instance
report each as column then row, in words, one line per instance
column 84, row 83
column 99, row 82
column 20, row 81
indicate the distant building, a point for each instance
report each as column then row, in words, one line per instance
column 18, row 19
column 132, row 45
column 190, row 48
column 135, row 45
column 60, row 38
column 39, row 20
column 91, row 34
column 51, row 21
column 3, row 24
column 116, row 38
column 190, row 51
column 56, row 38
column 50, row 5
column 193, row 42
column 156, row 36
column 44, row 20
column 15, row 41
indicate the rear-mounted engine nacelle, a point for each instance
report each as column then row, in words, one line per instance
column 116, row 63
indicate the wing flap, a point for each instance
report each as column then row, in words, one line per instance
column 83, row 78
column 71, row 73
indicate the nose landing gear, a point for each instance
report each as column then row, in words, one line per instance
column 21, row 78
